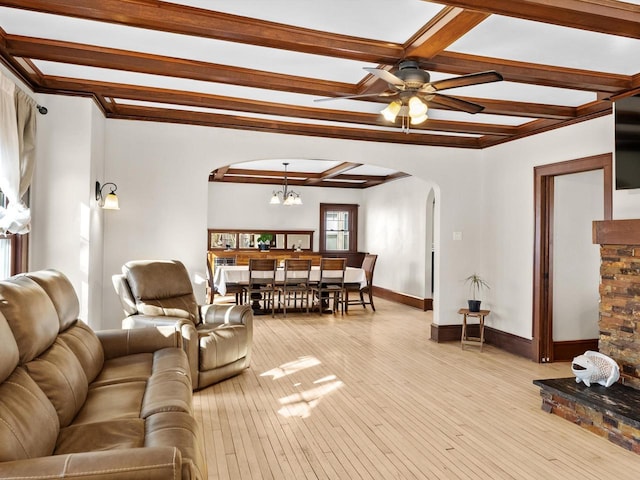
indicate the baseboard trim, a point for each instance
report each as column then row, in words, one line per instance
column 505, row 341
column 568, row 350
column 423, row 304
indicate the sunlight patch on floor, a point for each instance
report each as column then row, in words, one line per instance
column 290, row 368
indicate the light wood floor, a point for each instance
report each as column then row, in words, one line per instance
column 369, row 396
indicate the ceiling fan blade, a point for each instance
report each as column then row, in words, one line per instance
column 456, row 103
column 364, row 95
column 466, row 80
column 386, row 76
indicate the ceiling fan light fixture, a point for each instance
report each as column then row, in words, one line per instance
column 419, row 120
column 417, row 108
column 275, row 199
column 391, row 111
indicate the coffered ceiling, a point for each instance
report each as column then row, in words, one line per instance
column 262, row 64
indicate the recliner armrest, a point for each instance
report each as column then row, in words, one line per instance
column 117, row 343
column 226, row 314
column 139, row 320
column 155, row 463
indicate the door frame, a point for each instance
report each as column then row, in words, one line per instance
column 542, row 338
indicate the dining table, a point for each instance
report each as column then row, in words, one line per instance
column 239, row 274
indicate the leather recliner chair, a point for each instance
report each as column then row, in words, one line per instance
column 216, row 338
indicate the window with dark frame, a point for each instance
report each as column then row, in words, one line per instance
column 338, row 227
column 13, row 250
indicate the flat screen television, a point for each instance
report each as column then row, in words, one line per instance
column 627, row 133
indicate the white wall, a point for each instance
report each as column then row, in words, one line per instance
column 395, row 228
column 67, row 227
column 242, row 206
column 508, row 214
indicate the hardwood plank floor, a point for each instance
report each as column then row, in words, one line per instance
column 369, row 396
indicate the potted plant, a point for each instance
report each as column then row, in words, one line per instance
column 264, row 241
column 476, row 284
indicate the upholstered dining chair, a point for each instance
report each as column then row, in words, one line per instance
column 295, row 283
column 368, row 265
column 262, row 282
column 216, row 338
column 331, row 283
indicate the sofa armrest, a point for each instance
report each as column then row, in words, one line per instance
column 154, row 463
column 227, row 314
column 117, row 343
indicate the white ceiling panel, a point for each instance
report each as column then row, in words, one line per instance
column 546, row 44
column 392, row 21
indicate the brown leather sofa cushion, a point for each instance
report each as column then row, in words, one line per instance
column 112, row 402
column 36, row 331
column 28, row 422
column 87, row 348
column 60, row 376
column 61, row 293
column 9, row 354
column 92, row 437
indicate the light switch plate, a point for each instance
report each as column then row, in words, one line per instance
column 457, row 236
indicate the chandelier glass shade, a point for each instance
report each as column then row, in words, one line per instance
column 415, row 110
column 285, row 196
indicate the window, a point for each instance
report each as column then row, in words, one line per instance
column 13, row 251
column 338, row 227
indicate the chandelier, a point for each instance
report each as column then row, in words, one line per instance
column 285, row 196
column 411, row 109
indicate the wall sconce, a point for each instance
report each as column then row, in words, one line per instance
column 110, row 201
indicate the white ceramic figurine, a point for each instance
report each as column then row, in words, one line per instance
column 595, row 367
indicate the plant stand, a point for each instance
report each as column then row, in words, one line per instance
column 466, row 339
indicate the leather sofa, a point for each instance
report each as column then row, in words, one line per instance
column 75, row 403
column 216, row 338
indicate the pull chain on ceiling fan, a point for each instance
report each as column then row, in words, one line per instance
column 413, row 92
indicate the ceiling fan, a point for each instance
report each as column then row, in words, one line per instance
column 411, row 90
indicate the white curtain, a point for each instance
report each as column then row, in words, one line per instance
column 17, row 154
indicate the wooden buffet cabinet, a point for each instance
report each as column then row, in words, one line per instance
column 243, row 245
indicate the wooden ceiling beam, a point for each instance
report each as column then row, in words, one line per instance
column 604, row 16
column 264, row 125
column 66, row 52
column 193, row 99
column 334, row 172
column 444, row 29
column 174, row 18
column 220, row 173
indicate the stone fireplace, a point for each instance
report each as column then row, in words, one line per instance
column 620, row 295
column 612, row 412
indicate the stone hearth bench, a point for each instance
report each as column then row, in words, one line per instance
column 613, row 413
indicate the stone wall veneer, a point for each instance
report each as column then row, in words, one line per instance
column 620, row 295
column 620, row 309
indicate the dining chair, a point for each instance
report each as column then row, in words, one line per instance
column 296, row 282
column 262, row 282
column 331, row 283
column 368, row 265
